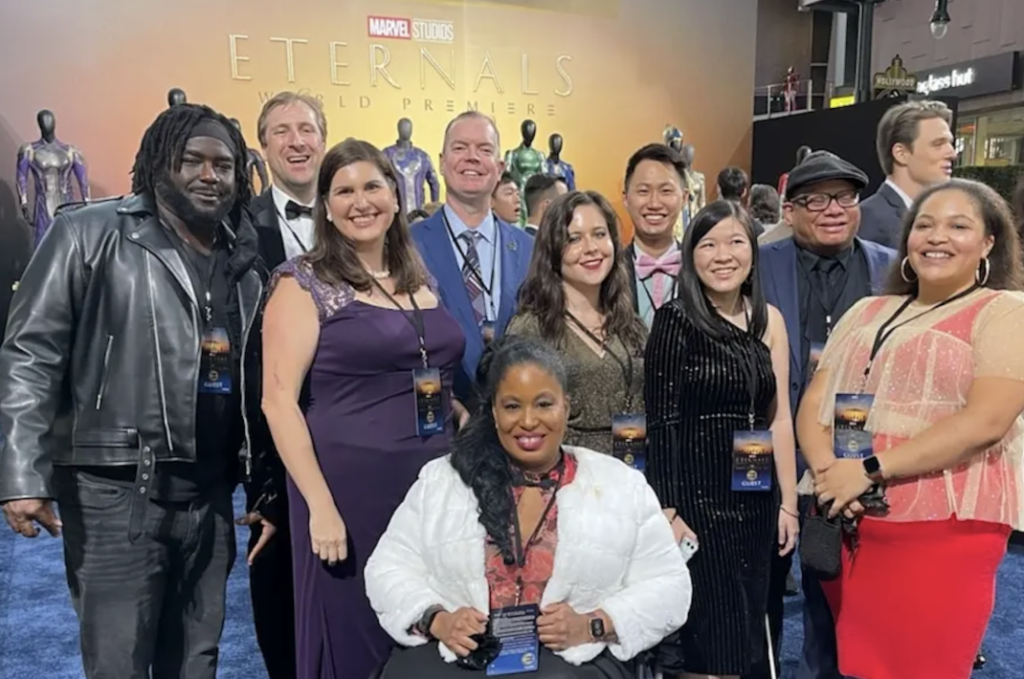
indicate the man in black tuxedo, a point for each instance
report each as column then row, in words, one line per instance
column 915, row 148
column 292, row 132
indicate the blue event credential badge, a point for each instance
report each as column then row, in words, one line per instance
column 427, row 389
column 516, row 629
column 629, row 440
column 850, row 439
column 215, row 362
column 752, row 458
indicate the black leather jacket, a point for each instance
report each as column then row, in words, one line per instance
column 101, row 358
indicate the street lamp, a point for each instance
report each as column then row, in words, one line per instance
column 940, row 19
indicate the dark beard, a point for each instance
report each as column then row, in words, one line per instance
column 199, row 221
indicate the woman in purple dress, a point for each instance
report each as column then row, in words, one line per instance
column 357, row 390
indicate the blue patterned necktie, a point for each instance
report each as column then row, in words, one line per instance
column 470, row 271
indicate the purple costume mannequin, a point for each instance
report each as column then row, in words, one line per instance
column 555, row 166
column 51, row 164
column 414, row 169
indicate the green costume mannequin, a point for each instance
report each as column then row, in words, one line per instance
column 524, row 162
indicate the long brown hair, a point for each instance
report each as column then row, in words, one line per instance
column 542, row 294
column 1006, row 272
column 333, row 256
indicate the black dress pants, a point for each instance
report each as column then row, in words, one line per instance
column 155, row 601
column 273, row 602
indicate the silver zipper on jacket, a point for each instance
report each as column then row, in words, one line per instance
column 106, row 372
column 159, row 361
column 245, row 347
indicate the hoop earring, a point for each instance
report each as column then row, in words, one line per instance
column 903, row 271
column 982, row 280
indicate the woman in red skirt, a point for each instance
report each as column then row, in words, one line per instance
column 922, row 391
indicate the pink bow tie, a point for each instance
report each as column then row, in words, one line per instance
column 669, row 263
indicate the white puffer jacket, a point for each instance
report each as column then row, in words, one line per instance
column 615, row 552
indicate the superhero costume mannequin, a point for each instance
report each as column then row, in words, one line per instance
column 696, row 185
column 414, row 168
column 557, row 167
column 672, row 137
column 176, row 96
column 255, row 163
column 51, row 163
column 524, row 162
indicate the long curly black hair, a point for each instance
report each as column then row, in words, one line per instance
column 164, row 143
column 477, row 454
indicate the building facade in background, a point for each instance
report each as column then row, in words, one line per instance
column 979, row 61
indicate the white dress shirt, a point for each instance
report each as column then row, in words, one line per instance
column 297, row 234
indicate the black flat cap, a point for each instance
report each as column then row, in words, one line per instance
column 823, row 166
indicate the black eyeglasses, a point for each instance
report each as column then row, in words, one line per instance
column 819, row 202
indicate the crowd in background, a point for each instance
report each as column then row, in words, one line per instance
column 454, row 418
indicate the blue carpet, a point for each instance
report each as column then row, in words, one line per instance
column 39, row 637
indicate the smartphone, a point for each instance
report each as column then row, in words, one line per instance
column 688, row 547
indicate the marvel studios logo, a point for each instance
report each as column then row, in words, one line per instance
column 420, row 30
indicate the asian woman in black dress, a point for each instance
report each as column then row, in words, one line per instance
column 713, row 360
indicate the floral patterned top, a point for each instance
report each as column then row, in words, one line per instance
column 540, row 557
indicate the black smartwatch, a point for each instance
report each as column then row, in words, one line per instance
column 873, row 469
column 425, row 622
column 597, row 630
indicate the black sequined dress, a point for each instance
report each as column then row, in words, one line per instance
column 697, row 395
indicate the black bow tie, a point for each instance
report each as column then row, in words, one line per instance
column 293, row 210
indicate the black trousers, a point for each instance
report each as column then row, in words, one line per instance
column 273, row 600
column 155, row 602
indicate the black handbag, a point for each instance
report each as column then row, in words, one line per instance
column 821, row 543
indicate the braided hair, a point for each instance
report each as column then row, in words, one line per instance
column 163, row 145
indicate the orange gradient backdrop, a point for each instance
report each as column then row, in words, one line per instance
column 104, row 68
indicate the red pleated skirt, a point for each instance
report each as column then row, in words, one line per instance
column 914, row 600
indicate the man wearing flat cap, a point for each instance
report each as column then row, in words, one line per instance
column 123, row 395
column 813, row 278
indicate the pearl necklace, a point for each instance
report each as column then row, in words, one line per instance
column 380, row 275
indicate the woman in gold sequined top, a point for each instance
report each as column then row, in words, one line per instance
column 577, row 297
column 936, row 375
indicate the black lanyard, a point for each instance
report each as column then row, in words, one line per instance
column 626, row 366
column 522, row 550
column 673, row 291
column 885, row 331
column 825, row 296
column 415, row 319
column 749, row 364
column 284, row 220
column 203, row 285
column 474, row 271
column 298, row 240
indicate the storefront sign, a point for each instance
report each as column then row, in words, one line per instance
column 990, row 75
column 839, row 102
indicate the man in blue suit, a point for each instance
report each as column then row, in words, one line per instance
column 478, row 260
column 814, row 278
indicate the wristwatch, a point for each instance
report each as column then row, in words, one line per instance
column 597, row 630
column 425, row 622
column 873, row 469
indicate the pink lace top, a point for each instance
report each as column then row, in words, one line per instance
column 921, row 375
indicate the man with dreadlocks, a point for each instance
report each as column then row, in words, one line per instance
column 123, row 398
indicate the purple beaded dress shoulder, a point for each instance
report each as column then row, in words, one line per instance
column 361, row 415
